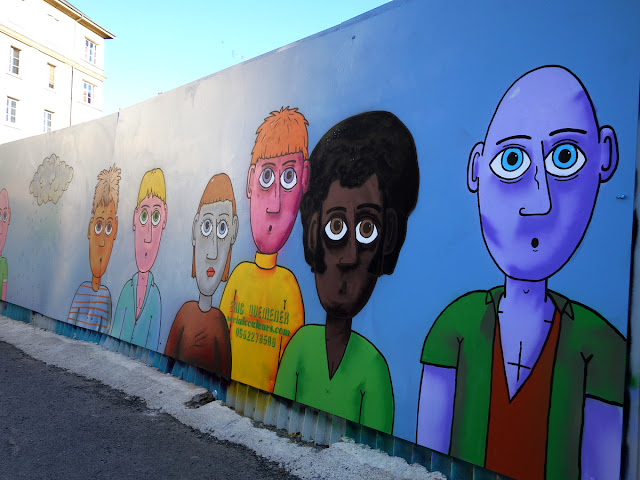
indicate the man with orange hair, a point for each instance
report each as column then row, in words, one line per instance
column 263, row 299
column 91, row 306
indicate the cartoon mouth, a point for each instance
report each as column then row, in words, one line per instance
column 270, row 227
column 535, row 242
column 210, row 272
column 343, row 288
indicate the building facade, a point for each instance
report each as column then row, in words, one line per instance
column 51, row 67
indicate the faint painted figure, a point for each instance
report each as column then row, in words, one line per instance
column 5, row 218
column 262, row 300
column 199, row 334
column 519, row 378
column 91, row 306
column 138, row 315
column 363, row 188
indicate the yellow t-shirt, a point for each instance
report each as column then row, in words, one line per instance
column 263, row 307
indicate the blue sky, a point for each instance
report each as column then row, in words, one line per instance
column 162, row 45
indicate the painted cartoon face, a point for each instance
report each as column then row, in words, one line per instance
column 103, row 228
column 351, row 234
column 5, row 217
column 275, row 187
column 539, row 173
column 149, row 220
column 214, row 231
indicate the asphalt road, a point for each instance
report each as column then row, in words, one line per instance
column 59, row 425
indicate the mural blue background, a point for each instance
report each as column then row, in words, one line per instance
column 441, row 70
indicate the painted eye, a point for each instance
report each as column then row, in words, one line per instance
column 335, row 228
column 564, row 160
column 510, row 163
column 223, row 229
column 144, row 216
column 98, row 227
column 206, row 227
column 267, row 177
column 155, row 217
column 366, row 231
column 4, row 217
column 288, row 179
column 108, row 229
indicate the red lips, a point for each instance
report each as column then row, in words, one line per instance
column 210, row 272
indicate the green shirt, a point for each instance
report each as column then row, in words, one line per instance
column 360, row 389
column 590, row 359
column 4, row 271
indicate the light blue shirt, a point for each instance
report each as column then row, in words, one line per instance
column 143, row 331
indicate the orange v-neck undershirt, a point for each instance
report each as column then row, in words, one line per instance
column 517, row 433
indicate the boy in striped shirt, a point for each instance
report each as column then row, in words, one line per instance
column 91, row 306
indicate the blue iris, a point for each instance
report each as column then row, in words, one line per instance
column 565, row 156
column 512, row 159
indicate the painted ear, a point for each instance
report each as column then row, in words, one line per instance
column 312, row 234
column 306, row 175
column 89, row 229
column 166, row 213
column 115, row 227
column 474, row 166
column 608, row 153
column 135, row 212
column 193, row 230
column 390, row 231
column 252, row 172
column 234, row 228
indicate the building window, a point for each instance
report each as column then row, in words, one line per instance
column 14, row 61
column 48, row 121
column 52, row 75
column 90, row 51
column 87, row 96
column 12, row 106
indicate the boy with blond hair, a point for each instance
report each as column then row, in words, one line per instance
column 138, row 314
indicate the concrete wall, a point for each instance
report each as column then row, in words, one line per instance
column 526, row 149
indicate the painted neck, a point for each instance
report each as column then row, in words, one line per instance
column 143, row 278
column 95, row 283
column 204, row 302
column 337, row 333
column 524, row 293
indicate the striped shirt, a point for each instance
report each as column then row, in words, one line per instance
column 91, row 310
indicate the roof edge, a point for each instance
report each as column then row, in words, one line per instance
column 71, row 11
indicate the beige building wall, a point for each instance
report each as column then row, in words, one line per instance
column 50, row 36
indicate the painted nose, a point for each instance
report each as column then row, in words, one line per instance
column 349, row 254
column 274, row 204
column 102, row 240
column 147, row 235
column 212, row 254
column 539, row 198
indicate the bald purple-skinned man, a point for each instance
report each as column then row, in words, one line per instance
column 519, row 378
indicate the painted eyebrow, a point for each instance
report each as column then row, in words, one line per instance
column 563, row 130
column 288, row 162
column 512, row 138
column 370, row 205
column 333, row 209
column 268, row 164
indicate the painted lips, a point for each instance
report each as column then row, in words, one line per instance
column 210, row 272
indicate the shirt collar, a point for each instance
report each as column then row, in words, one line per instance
column 563, row 305
column 266, row 261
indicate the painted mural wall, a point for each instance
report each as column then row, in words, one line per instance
column 420, row 220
